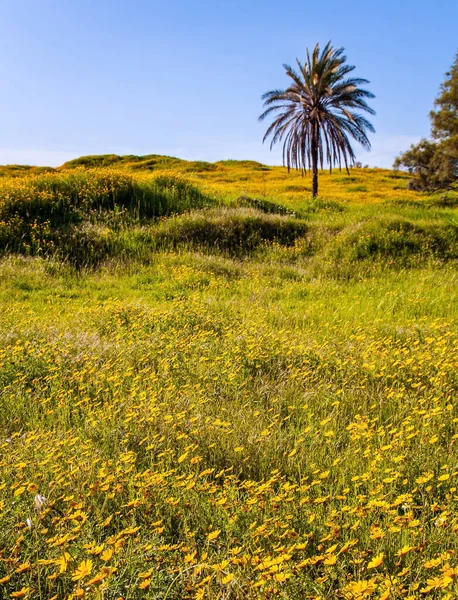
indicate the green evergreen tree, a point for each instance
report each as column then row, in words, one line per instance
column 435, row 163
column 444, row 120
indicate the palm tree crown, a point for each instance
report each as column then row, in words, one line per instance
column 320, row 112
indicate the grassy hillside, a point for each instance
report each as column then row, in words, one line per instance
column 231, row 178
column 94, row 208
column 213, row 387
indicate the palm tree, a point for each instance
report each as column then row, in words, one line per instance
column 320, row 112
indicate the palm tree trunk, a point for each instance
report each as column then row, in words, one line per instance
column 314, row 152
column 314, row 180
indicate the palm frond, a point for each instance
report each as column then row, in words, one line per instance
column 319, row 114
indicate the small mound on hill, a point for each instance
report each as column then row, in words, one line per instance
column 151, row 162
column 248, row 164
column 231, row 230
column 396, row 238
column 23, row 170
column 148, row 162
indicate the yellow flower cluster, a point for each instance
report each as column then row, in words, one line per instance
column 199, row 427
column 189, row 446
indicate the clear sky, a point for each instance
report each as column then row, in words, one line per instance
column 185, row 77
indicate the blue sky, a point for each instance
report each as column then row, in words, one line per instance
column 185, row 78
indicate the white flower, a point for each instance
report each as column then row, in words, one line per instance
column 40, row 502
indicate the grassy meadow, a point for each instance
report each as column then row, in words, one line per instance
column 213, row 387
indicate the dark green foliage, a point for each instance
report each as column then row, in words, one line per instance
column 87, row 246
column 445, row 162
column 435, row 163
column 444, row 120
